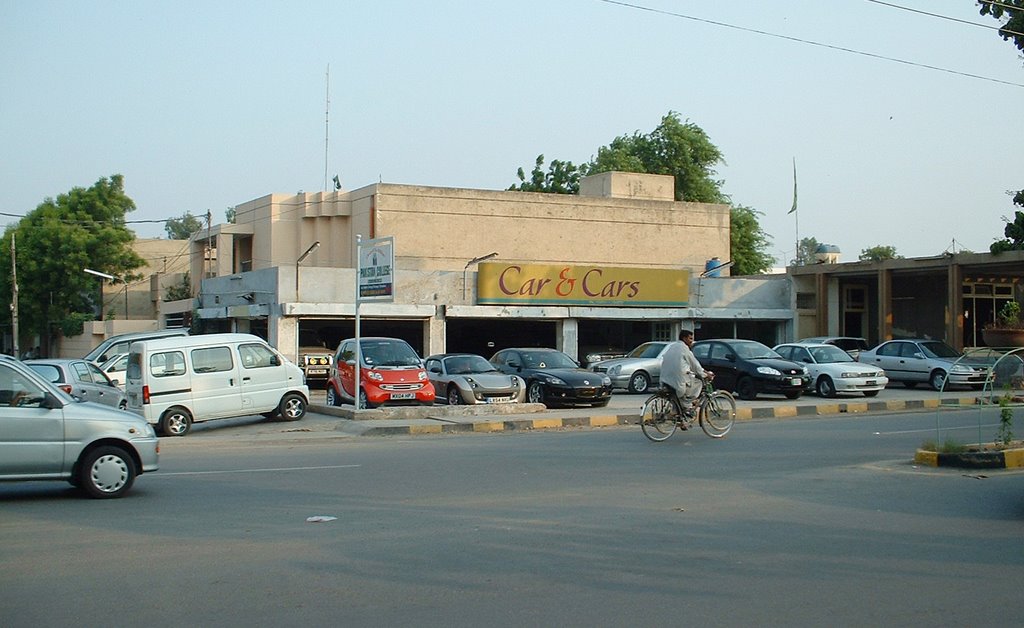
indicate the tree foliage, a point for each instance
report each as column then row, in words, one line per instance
column 182, row 228
column 1011, row 13
column 749, row 243
column 1014, row 230
column 84, row 228
column 805, row 251
column 879, row 253
column 562, row 177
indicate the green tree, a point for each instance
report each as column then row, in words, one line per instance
column 749, row 243
column 878, row 253
column 180, row 290
column 182, row 228
column 230, row 214
column 805, row 251
column 1014, row 231
column 1011, row 13
column 562, row 177
column 84, row 228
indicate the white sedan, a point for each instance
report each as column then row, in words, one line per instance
column 833, row 371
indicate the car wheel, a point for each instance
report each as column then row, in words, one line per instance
column 292, row 408
column 639, row 383
column 909, row 384
column 106, row 472
column 870, row 393
column 794, row 394
column 332, row 397
column 937, row 379
column 826, row 387
column 746, row 389
column 175, row 422
column 535, row 393
column 602, row 404
column 454, row 396
column 364, row 401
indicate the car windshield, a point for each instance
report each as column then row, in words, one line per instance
column 467, row 365
column 936, row 349
column 647, row 350
column 388, row 353
column 548, row 360
column 751, row 350
column 829, row 354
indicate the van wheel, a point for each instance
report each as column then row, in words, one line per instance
column 175, row 422
column 106, row 472
column 292, row 408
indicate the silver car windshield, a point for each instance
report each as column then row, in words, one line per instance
column 467, row 365
column 830, row 354
column 936, row 349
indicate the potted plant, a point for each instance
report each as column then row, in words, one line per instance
column 1008, row 330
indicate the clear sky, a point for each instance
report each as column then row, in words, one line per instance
column 205, row 105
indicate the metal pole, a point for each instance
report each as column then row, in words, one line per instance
column 359, row 348
column 14, row 301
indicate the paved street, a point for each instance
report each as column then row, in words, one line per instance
column 819, row 521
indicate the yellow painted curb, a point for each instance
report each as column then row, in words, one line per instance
column 1014, row 458
column 490, row 426
column 744, row 414
column 424, row 429
column 857, row 407
column 828, row 408
column 931, row 403
column 930, row 458
column 895, row 404
column 541, row 424
column 604, row 421
column 785, row 411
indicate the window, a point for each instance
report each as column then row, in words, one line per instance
column 211, row 360
column 17, row 391
column 347, row 353
column 166, row 364
column 98, row 375
column 254, row 356
column 890, row 348
column 720, row 352
column 701, row 351
column 81, row 372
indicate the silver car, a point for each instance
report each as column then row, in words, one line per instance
column 636, row 372
column 932, row 361
column 467, row 378
column 833, row 370
column 81, row 379
column 46, row 435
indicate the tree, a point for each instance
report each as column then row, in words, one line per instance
column 230, row 214
column 749, row 243
column 805, row 251
column 84, row 228
column 180, row 290
column 562, row 177
column 182, row 228
column 1014, row 231
column 1013, row 12
column 879, row 253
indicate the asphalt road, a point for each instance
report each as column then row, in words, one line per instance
column 818, row 521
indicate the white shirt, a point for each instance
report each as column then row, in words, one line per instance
column 679, row 366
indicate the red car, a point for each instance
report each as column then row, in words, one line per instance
column 391, row 374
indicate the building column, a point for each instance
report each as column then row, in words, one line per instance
column 568, row 337
column 884, row 305
column 435, row 333
column 821, row 297
column 955, row 307
column 283, row 333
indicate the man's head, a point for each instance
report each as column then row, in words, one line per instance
column 686, row 335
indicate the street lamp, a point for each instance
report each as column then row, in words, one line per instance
column 465, row 271
column 110, row 278
column 312, row 247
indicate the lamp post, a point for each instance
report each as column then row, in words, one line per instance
column 302, row 258
column 110, row 278
column 465, row 271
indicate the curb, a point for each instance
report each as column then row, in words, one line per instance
column 1001, row 459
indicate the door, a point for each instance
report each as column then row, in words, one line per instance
column 914, row 363
column 216, row 388
column 889, row 358
column 264, row 378
column 31, row 437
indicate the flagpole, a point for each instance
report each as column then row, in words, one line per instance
column 796, row 218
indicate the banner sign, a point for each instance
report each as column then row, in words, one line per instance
column 377, row 269
column 537, row 284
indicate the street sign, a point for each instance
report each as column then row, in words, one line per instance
column 377, row 269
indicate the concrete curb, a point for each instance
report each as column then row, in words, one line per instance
column 1001, row 459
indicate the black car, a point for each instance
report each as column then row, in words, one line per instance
column 554, row 378
column 749, row 368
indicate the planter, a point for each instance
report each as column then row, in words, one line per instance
column 976, row 457
column 1003, row 337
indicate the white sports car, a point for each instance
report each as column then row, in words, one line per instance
column 467, row 378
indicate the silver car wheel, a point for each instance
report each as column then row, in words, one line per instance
column 109, row 473
column 454, row 396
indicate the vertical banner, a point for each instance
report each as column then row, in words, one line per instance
column 377, row 269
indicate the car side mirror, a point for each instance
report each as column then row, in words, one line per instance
column 275, row 361
column 50, row 402
column 919, row 356
column 114, row 383
column 514, row 365
column 435, row 369
column 807, row 360
column 731, row 357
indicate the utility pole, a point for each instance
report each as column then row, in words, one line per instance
column 14, row 301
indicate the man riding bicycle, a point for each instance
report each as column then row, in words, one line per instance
column 682, row 373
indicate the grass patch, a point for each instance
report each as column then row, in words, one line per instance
column 948, row 446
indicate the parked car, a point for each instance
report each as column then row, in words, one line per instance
column 553, row 378
column 314, row 358
column 592, row 354
column 115, row 369
column 468, row 378
column 750, row 368
column 849, row 344
column 391, row 374
column 46, row 435
column 637, row 371
column 82, row 380
column 913, row 361
column 834, row 370
column 122, row 342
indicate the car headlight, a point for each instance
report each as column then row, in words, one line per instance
column 515, row 381
column 767, row 370
column 850, row 375
column 375, row 376
column 422, row 375
column 551, row 379
column 615, row 369
column 960, row 368
column 606, row 381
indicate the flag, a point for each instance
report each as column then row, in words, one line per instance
column 794, row 188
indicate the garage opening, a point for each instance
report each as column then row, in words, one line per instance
column 605, row 339
column 486, row 336
column 330, row 332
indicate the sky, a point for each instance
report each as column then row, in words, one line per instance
column 206, row 105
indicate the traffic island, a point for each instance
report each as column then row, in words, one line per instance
column 975, row 457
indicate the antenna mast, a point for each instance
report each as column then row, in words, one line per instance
column 327, row 125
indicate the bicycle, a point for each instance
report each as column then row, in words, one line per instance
column 661, row 416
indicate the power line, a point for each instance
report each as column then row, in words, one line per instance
column 811, row 42
column 946, row 17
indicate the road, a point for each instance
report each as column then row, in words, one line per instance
column 819, row 521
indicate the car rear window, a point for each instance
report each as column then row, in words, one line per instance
column 50, row 372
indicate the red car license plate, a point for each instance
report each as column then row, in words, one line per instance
column 403, row 395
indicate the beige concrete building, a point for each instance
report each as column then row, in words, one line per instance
column 619, row 225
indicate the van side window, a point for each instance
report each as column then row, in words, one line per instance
column 211, row 360
column 167, row 364
column 254, row 356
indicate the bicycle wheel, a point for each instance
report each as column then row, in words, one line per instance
column 658, row 418
column 717, row 414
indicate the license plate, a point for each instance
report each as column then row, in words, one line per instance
column 403, row 395
column 316, row 371
column 870, row 382
column 796, row 381
column 498, row 399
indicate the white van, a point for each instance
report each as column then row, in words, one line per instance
column 175, row 382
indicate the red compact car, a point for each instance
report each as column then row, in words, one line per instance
column 391, row 374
